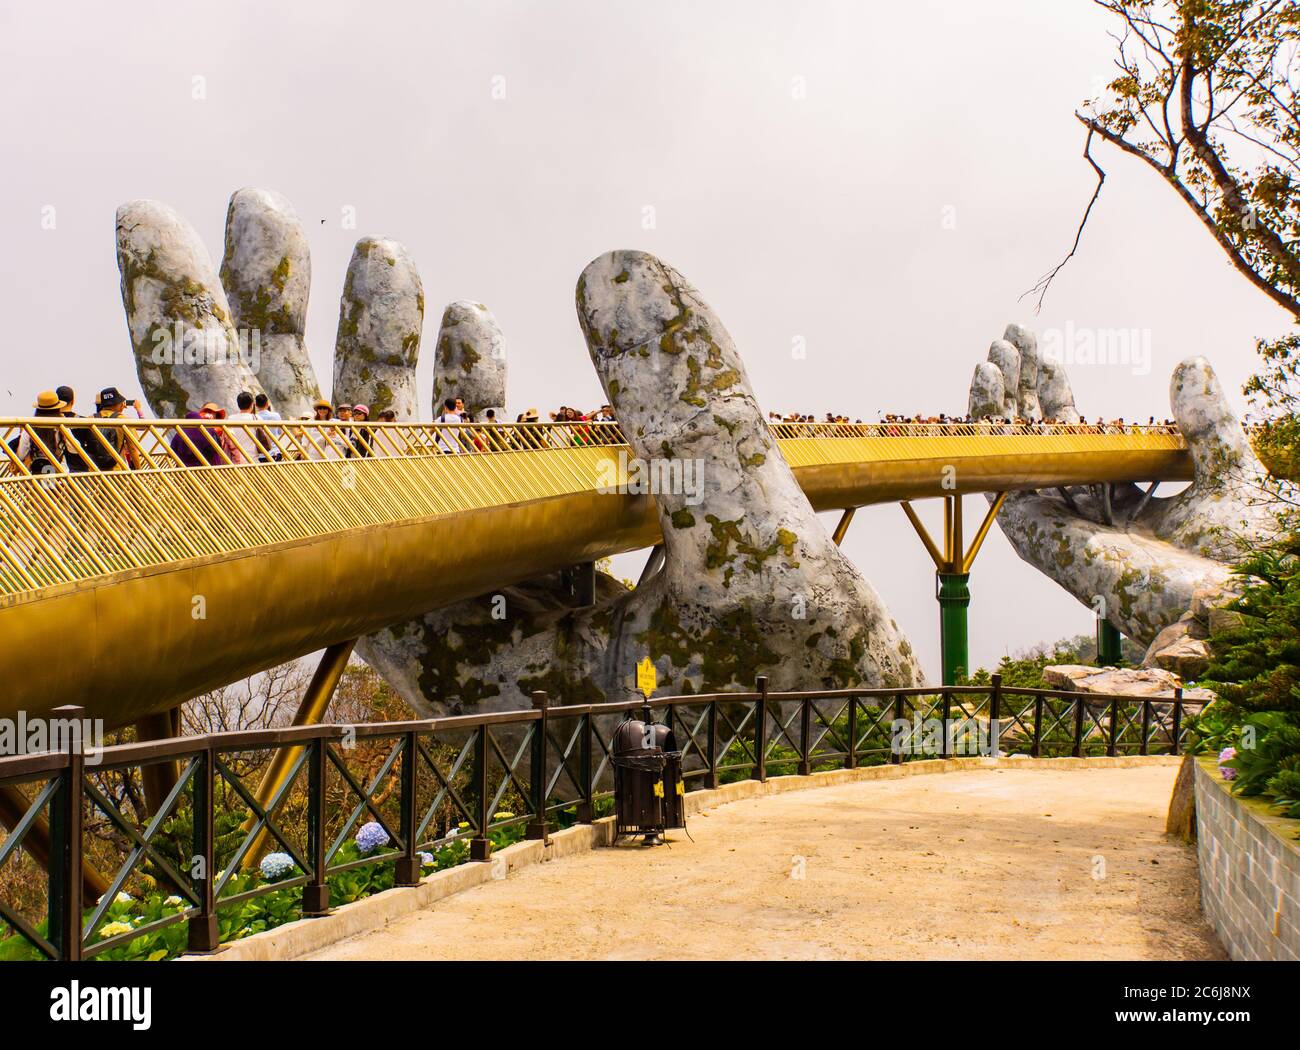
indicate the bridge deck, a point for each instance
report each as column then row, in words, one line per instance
column 179, row 578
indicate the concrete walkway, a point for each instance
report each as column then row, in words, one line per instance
column 983, row 864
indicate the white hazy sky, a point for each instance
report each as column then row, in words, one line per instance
column 890, row 218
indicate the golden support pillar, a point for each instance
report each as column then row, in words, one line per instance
column 311, row 709
column 842, row 529
column 159, row 779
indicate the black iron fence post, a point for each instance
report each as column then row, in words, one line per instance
column 65, row 888
column 586, row 808
column 805, row 737
column 1177, row 726
column 995, row 715
column 1112, row 740
column 711, row 768
column 760, row 730
column 1146, row 727
column 537, row 826
column 851, row 759
column 316, row 894
column 407, row 867
column 1037, row 749
column 202, row 934
column 1077, row 751
column 895, row 742
column 480, row 846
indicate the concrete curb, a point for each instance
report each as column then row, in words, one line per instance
column 296, row 939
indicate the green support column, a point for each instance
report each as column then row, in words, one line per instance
column 1109, row 648
column 953, row 593
column 952, row 566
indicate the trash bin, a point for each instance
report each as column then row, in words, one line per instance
column 674, row 785
column 647, row 780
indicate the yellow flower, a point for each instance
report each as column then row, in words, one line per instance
column 112, row 929
column 503, row 815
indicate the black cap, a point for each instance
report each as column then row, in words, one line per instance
column 109, row 396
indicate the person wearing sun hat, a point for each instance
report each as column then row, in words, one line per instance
column 110, row 403
column 47, row 404
column 219, row 436
column 313, row 439
column 363, row 438
column 343, row 436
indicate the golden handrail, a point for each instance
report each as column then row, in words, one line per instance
column 317, row 478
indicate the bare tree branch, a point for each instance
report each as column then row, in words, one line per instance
column 1045, row 281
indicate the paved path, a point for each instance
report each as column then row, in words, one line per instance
column 987, row 864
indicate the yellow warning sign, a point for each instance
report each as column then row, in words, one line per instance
column 646, row 678
column 659, row 789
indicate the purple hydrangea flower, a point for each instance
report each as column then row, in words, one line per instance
column 277, row 865
column 425, row 858
column 1227, row 755
column 371, row 837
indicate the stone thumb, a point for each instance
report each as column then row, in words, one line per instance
column 1218, row 445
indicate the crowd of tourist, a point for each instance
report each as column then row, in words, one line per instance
column 891, row 424
column 44, row 448
column 258, row 433
column 256, row 439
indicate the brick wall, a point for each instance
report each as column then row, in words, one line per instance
column 1250, row 871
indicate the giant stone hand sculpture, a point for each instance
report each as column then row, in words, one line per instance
column 750, row 582
column 169, row 284
column 381, row 317
column 182, row 332
column 470, row 360
column 1150, row 560
column 266, row 272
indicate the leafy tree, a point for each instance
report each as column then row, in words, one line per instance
column 1206, row 96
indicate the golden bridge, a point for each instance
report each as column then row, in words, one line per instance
column 131, row 589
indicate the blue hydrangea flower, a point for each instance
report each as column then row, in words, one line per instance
column 1227, row 755
column 277, row 866
column 371, row 837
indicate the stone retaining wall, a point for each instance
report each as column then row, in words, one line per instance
column 1250, row 871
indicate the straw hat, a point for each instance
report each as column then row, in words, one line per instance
column 48, row 399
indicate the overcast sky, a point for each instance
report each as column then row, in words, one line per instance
column 877, row 183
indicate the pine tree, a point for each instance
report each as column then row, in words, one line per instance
column 1256, row 670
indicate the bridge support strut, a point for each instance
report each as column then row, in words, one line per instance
column 311, row 709
column 952, row 567
column 842, row 529
column 13, row 807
